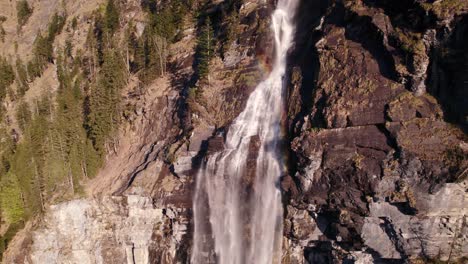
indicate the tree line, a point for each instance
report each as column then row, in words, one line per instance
column 61, row 138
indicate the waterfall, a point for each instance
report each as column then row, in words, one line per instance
column 238, row 215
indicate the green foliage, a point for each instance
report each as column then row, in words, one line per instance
column 8, row 236
column 193, row 97
column 69, row 124
column 2, row 33
column 63, row 139
column 23, row 115
column 54, row 154
column 111, row 17
column 230, row 33
column 7, row 77
column 149, row 55
column 22, row 77
column 74, row 23
column 166, row 19
column 25, row 168
column 105, row 100
column 10, row 198
column 55, row 26
column 43, row 47
column 205, row 49
column 23, row 12
column 7, row 147
column 2, row 30
column 410, row 42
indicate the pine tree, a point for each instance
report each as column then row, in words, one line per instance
column 91, row 46
column 55, row 27
column 7, row 149
column 7, row 76
column 21, row 77
column 205, row 49
column 105, row 100
column 43, row 50
column 111, row 17
column 23, row 115
column 2, row 30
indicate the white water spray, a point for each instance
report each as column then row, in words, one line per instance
column 243, row 223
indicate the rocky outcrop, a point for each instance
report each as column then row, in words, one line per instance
column 379, row 170
column 128, row 229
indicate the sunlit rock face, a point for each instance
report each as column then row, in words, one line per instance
column 113, row 230
column 379, row 159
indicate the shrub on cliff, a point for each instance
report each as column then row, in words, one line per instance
column 7, row 76
column 21, row 77
column 111, row 17
column 23, row 12
column 2, row 30
column 205, row 49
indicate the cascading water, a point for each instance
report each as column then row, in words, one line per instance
column 243, row 222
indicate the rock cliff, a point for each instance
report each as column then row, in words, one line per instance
column 376, row 145
column 373, row 174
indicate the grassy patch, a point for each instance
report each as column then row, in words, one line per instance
column 410, row 42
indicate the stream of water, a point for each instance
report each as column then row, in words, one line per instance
column 237, row 216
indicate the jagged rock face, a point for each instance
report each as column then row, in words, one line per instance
column 448, row 71
column 373, row 157
column 111, row 230
column 441, row 233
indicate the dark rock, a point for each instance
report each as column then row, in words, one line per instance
column 215, row 144
column 372, row 150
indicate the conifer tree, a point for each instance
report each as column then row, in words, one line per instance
column 23, row 115
column 2, row 30
column 55, row 26
column 111, row 17
column 21, row 77
column 7, row 147
column 7, row 76
column 91, row 47
column 205, row 48
column 105, row 100
column 43, row 54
